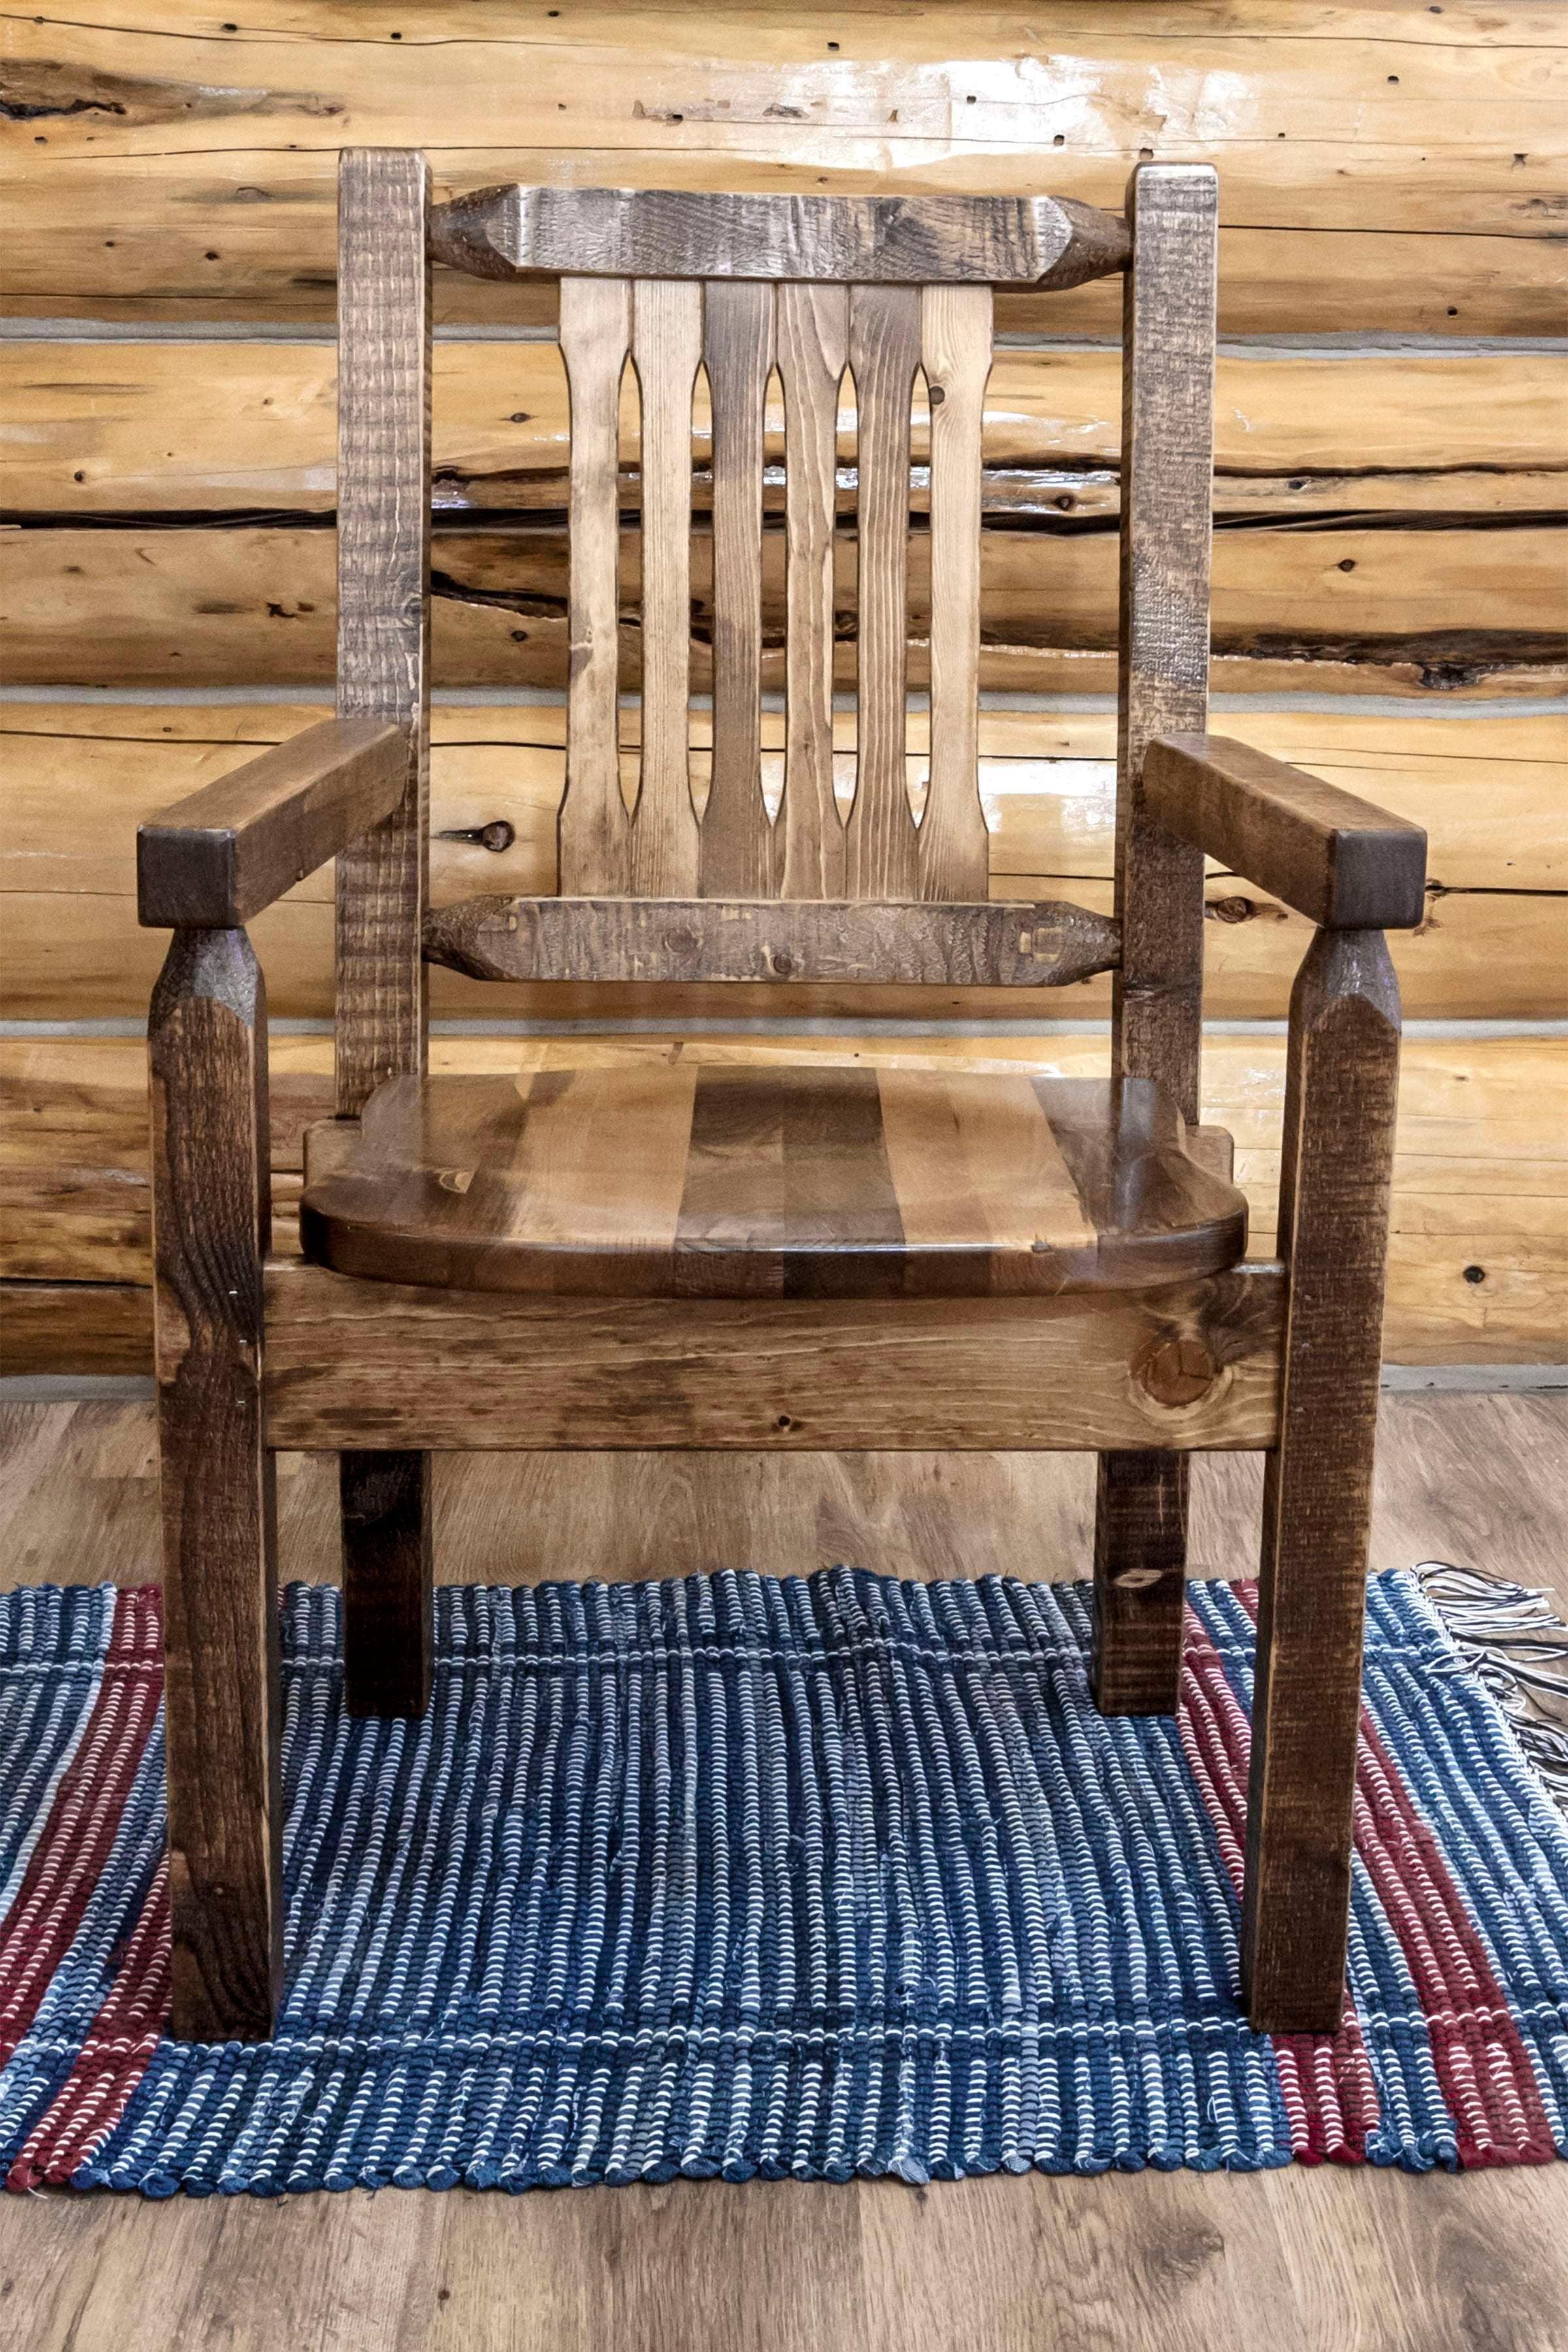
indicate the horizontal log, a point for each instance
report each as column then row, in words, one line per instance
column 183, row 606
column 1349, row 433
column 74, row 1328
column 1046, row 944
column 1479, row 1267
column 1332, row 856
column 213, row 157
column 1032, row 241
column 382, row 1365
column 217, row 858
column 76, row 781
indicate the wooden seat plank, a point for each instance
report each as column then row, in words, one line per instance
column 676, row 1178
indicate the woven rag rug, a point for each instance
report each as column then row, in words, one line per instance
column 744, row 1876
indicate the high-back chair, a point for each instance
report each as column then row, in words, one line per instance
column 656, row 1248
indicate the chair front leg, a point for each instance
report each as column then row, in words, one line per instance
column 1139, row 1582
column 211, row 1211
column 1339, row 1104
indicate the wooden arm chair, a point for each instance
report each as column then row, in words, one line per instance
column 658, row 1251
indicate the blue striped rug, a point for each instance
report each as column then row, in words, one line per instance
column 746, row 1876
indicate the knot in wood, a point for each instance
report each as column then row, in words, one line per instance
column 1176, row 1370
column 681, row 943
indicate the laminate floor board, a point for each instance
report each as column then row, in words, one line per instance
column 1299, row 2261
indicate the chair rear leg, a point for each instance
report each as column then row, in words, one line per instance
column 1341, row 1083
column 1140, row 1569
column 206, row 1044
column 389, row 1634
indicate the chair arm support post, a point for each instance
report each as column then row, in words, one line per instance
column 214, row 860
column 1344, row 864
column 211, row 1213
column 1340, row 1100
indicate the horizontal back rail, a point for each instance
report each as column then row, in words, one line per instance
column 1044, row 241
column 995, row 944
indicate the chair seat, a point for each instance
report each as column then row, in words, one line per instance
column 668, row 1175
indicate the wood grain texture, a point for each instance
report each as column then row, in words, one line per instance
column 1395, row 199
column 1335, row 858
column 667, row 350
column 383, row 567
column 880, row 842
column 1315, row 2254
column 1165, row 532
column 1341, row 1097
column 1037, row 241
column 389, row 1619
column 740, row 853
column 595, row 337
column 1140, row 1571
column 214, row 860
column 383, row 1364
column 955, row 351
column 208, row 1056
column 669, row 1178
column 813, row 345
column 1043, row 944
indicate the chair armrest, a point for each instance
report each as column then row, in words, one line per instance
column 1343, row 864
column 214, row 860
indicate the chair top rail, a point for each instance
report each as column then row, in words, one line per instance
column 1041, row 242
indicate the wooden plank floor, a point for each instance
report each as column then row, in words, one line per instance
column 1327, row 2260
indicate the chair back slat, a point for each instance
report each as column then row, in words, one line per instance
column 666, row 349
column 813, row 335
column 738, row 846
column 884, row 353
column 956, row 334
column 596, row 336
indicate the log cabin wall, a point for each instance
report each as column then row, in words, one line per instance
column 1389, row 574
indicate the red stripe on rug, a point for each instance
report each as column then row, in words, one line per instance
column 1326, row 2080
column 79, row 1834
column 1482, row 2066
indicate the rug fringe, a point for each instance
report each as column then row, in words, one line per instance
column 1512, row 1639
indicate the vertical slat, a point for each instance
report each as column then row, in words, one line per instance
column 1340, row 1088
column 666, row 347
column 383, row 642
column 884, row 353
column 1167, row 465
column 954, row 854
column 1139, row 1582
column 738, row 841
column 594, row 836
column 813, row 327
column 206, row 1036
column 384, row 571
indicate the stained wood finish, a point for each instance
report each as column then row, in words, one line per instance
column 666, row 347
column 955, row 338
column 738, row 850
column 377, row 1364
column 1338, row 860
column 384, row 571
column 384, row 673
column 1045, row 944
column 208, row 1056
column 1339, row 1108
column 1139, row 1576
column 214, row 860
column 884, row 352
column 389, row 1625
column 1167, row 449
column 813, row 345
column 1038, row 241
column 595, row 338
column 674, row 1179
